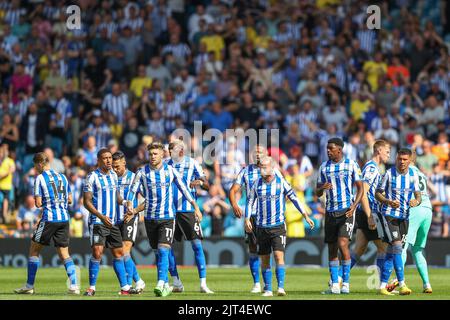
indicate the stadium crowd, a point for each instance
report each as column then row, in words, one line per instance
column 137, row 70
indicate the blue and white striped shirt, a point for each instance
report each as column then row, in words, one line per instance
column 124, row 185
column 247, row 177
column 372, row 176
column 54, row 190
column 190, row 170
column 157, row 189
column 270, row 199
column 438, row 180
column 104, row 194
column 117, row 105
column 401, row 187
column 342, row 176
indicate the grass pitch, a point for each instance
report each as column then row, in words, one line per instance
column 227, row 283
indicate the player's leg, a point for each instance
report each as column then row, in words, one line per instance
column 32, row 267
column 61, row 240
column 417, row 250
column 264, row 251
column 178, row 236
column 164, row 232
column 331, row 237
column 129, row 232
column 361, row 243
column 97, row 240
column 278, row 247
column 345, row 233
column 381, row 254
column 253, row 261
column 115, row 243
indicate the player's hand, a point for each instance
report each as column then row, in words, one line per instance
column 129, row 216
column 248, row 226
column 198, row 215
column 349, row 213
column 394, row 204
column 413, row 203
column 107, row 222
column 326, row 186
column 195, row 183
column 310, row 222
column 371, row 223
column 237, row 212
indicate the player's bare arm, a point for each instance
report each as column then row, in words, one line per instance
column 38, row 201
column 381, row 198
column 418, row 199
column 359, row 195
column 321, row 187
column 87, row 198
column 202, row 182
column 236, row 209
column 366, row 207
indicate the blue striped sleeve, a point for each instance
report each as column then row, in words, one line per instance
column 89, row 184
column 37, row 186
column 135, row 185
column 240, row 177
column 180, row 184
column 383, row 182
column 251, row 200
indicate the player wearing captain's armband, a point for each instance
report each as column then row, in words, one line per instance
column 395, row 192
column 337, row 176
column 269, row 193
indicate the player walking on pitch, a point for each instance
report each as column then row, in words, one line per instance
column 156, row 181
column 101, row 197
column 399, row 184
column 247, row 177
column 52, row 194
column 187, row 224
column 368, row 219
column 419, row 224
column 336, row 178
column 270, row 191
column 128, row 230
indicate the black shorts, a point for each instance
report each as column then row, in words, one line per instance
column 363, row 225
column 104, row 236
column 250, row 238
column 337, row 225
column 129, row 230
column 56, row 231
column 269, row 239
column 160, row 232
column 395, row 230
column 186, row 224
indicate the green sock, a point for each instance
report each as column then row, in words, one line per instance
column 404, row 254
column 421, row 264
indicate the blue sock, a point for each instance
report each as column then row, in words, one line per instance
column 380, row 262
column 387, row 267
column 131, row 270
column 199, row 258
column 172, row 264
column 281, row 274
column 71, row 271
column 398, row 266
column 33, row 265
column 346, row 266
column 267, row 276
column 163, row 264
column 119, row 269
column 253, row 262
column 94, row 267
column 334, row 270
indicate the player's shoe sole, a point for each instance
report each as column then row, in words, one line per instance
column 267, row 294
column 158, row 291
column 24, row 290
column 428, row 290
column 256, row 289
column 167, row 291
column 404, row 291
column 281, row 293
column 391, row 286
column 73, row 291
column 89, row 293
column 385, row 292
column 178, row 289
column 206, row 290
column 330, row 291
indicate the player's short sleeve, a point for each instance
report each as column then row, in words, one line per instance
column 286, row 187
column 321, row 179
column 369, row 174
column 198, row 170
column 89, row 183
column 38, row 186
column 356, row 171
column 384, row 182
column 240, row 177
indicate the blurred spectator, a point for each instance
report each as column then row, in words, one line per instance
column 27, row 217
column 7, row 169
